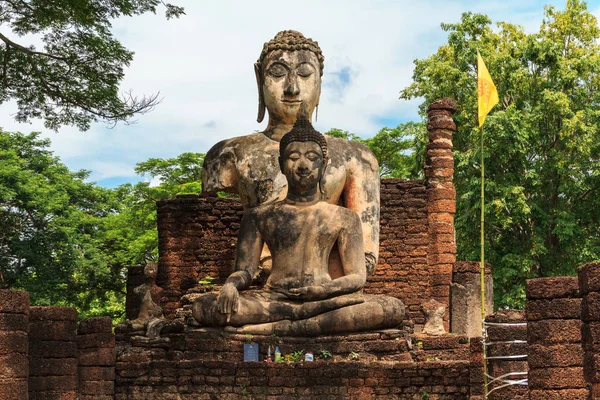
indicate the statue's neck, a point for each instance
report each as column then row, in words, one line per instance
column 276, row 128
column 303, row 199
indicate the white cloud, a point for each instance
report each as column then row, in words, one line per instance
column 202, row 64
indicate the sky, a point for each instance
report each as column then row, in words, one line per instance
column 202, row 65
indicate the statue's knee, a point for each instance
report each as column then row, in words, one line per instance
column 202, row 308
column 394, row 310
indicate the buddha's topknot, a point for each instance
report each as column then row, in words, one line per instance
column 291, row 41
column 303, row 131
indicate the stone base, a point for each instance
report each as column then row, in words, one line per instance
column 208, row 363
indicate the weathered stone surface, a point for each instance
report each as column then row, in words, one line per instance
column 557, row 378
column 53, row 349
column 560, row 355
column 13, row 389
column 589, row 278
column 567, row 308
column 554, row 331
column 95, row 340
column 13, row 365
column 552, row 288
column 51, row 330
column 95, row 325
column 14, row 301
column 590, row 307
column 14, row 322
column 52, row 366
column 13, row 342
column 52, row 313
column 96, row 373
column 565, row 394
column 97, row 357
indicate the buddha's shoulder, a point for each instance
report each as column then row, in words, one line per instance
column 342, row 150
column 239, row 145
column 338, row 211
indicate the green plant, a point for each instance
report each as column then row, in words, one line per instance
column 325, row 354
column 353, row 356
column 298, row 356
column 219, row 357
column 207, row 281
column 249, row 337
column 244, row 391
column 424, row 395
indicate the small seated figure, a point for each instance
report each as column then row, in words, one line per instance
column 150, row 318
column 299, row 298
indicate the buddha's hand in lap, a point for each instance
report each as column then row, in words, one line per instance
column 307, row 293
column 228, row 300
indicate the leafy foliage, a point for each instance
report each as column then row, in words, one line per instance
column 75, row 79
column 541, row 142
column 68, row 242
column 393, row 148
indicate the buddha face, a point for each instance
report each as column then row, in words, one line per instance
column 290, row 78
column 303, row 165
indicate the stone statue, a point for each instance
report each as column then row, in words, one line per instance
column 288, row 74
column 434, row 312
column 150, row 319
column 300, row 297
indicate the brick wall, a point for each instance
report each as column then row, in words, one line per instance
column 555, row 356
column 52, row 353
column 506, row 340
column 96, row 345
column 589, row 286
column 14, row 362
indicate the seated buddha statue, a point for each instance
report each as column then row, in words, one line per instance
column 300, row 297
column 288, row 73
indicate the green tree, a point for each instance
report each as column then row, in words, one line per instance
column 131, row 234
column 394, row 149
column 541, row 149
column 75, row 79
column 50, row 227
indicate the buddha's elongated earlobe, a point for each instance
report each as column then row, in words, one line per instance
column 317, row 113
column 261, row 99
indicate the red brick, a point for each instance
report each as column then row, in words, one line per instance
column 551, row 288
column 14, row 322
column 14, row 365
column 13, row 389
column 566, row 394
column 13, row 342
column 14, row 301
column 97, row 373
column 53, row 349
column 557, row 378
column 553, row 309
column 49, row 330
column 589, row 277
column 561, row 355
column 95, row 340
column 97, row 357
column 554, row 331
column 52, row 366
column 590, row 307
column 52, row 383
column 97, row 387
column 95, row 325
column 52, row 313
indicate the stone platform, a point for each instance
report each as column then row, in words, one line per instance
column 207, row 363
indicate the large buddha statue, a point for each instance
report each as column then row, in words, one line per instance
column 300, row 298
column 288, row 74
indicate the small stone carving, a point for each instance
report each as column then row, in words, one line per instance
column 300, row 298
column 434, row 317
column 150, row 318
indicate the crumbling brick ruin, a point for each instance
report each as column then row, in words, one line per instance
column 46, row 354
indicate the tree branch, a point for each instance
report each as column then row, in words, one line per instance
column 10, row 43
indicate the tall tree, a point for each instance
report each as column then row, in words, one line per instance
column 75, row 79
column 541, row 148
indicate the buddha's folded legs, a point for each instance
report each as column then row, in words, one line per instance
column 257, row 307
column 377, row 312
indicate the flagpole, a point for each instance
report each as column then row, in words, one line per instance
column 482, row 267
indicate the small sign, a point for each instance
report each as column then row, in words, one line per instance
column 251, row 352
column 309, row 357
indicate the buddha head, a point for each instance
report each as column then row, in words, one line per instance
column 288, row 74
column 303, row 156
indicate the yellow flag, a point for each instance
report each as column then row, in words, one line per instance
column 487, row 95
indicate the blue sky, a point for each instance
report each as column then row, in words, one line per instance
column 202, row 65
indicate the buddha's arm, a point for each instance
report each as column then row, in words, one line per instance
column 350, row 246
column 361, row 194
column 218, row 170
column 249, row 247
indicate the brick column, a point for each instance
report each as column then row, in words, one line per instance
column 96, row 344
column 52, row 353
column 441, row 199
column 14, row 364
column 589, row 286
column 555, row 356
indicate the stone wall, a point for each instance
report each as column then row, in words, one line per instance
column 589, row 287
column 465, row 297
column 507, row 337
column 554, row 337
column 96, row 345
column 202, row 364
column 52, row 353
column 14, row 362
